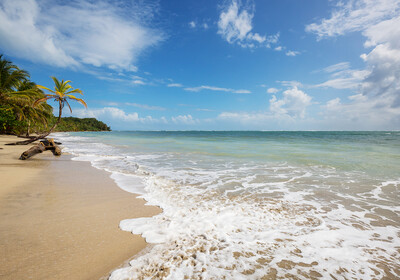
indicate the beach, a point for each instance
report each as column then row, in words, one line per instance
column 235, row 205
column 59, row 219
column 256, row 205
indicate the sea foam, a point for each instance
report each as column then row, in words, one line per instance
column 228, row 218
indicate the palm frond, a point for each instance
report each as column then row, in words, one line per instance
column 42, row 87
column 77, row 99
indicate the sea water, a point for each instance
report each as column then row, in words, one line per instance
column 257, row 205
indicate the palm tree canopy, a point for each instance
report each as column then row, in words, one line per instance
column 10, row 76
column 61, row 93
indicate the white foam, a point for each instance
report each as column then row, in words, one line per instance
column 244, row 220
column 128, row 182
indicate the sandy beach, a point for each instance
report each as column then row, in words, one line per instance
column 59, row 218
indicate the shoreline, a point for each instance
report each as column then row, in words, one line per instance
column 59, row 219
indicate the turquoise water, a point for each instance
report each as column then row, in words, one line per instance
column 248, row 205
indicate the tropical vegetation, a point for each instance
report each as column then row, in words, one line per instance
column 77, row 124
column 24, row 108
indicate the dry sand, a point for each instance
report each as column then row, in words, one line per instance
column 59, row 218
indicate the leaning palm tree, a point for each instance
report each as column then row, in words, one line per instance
column 62, row 93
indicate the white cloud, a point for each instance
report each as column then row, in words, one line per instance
column 384, row 32
column 293, row 103
column 288, row 112
column 337, row 67
column 76, row 33
column 144, row 106
column 212, row 88
column 361, row 113
column 107, row 113
column 192, row 24
column 345, row 79
column 235, row 26
column 241, row 91
column 292, row 53
column 377, row 86
column 138, row 82
column 205, row 110
column 272, row 90
column 279, row 48
column 355, row 15
column 175, row 85
column 290, row 83
column 197, row 89
column 246, row 118
column 114, row 104
column 184, row 119
column 205, row 26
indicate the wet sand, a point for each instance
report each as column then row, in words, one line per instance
column 59, row 218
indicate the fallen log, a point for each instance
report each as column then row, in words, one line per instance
column 44, row 145
column 30, row 140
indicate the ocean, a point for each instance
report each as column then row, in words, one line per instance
column 256, row 205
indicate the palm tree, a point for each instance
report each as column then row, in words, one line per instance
column 11, row 78
column 61, row 93
column 17, row 94
column 36, row 115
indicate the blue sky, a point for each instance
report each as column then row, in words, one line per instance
column 216, row 65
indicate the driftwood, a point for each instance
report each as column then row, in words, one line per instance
column 44, row 145
column 30, row 140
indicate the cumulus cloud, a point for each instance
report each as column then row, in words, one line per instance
column 272, row 90
column 294, row 103
column 379, row 82
column 76, row 33
column 113, row 113
column 362, row 113
column 235, row 26
column 119, row 118
column 184, row 119
column 288, row 112
column 212, row 88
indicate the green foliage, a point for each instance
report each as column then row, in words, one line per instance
column 7, row 119
column 23, row 106
column 62, row 93
column 77, row 124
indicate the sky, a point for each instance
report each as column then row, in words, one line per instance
column 215, row 64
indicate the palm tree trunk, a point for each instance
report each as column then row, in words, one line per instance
column 28, row 128
column 60, row 107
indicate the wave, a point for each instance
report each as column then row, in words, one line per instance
column 224, row 218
